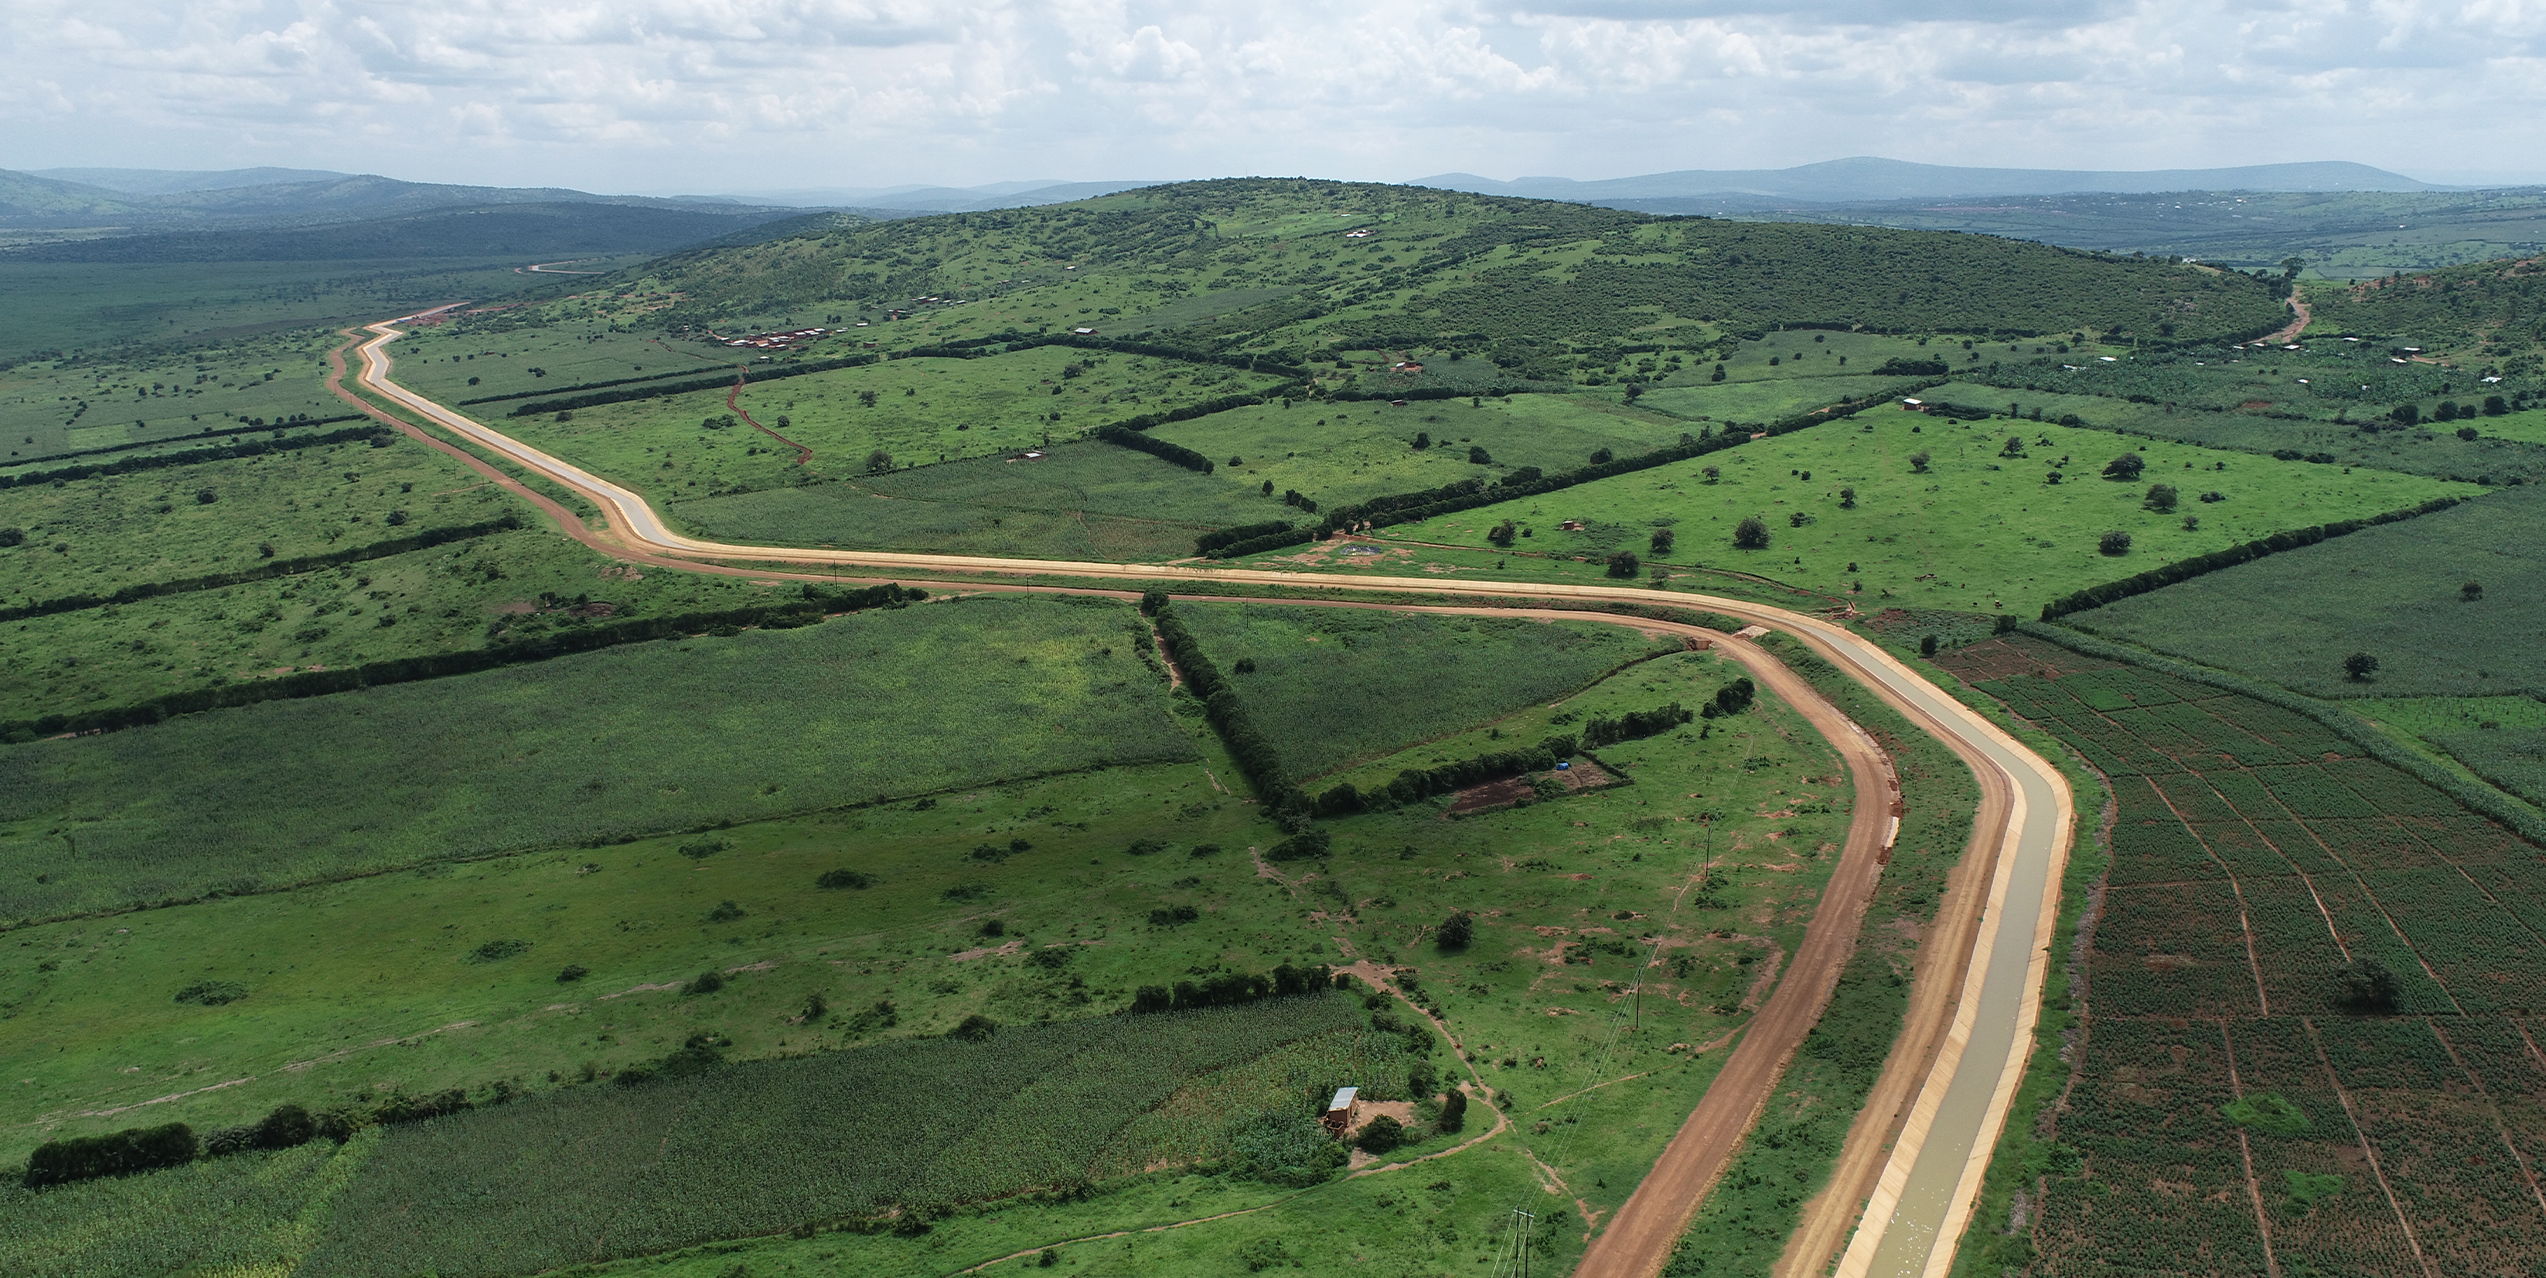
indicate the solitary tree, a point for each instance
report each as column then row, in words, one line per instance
column 2360, row 666
column 1847, row 499
column 1422, row 439
column 2126, row 467
column 1663, row 539
column 2192, row 523
column 1927, row 646
column 1381, row 1135
column 1477, row 455
column 1751, row 534
column 1602, row 457
column 2161, row 498
column 2471, row 591
column 1502, row 534
column 2366, row 985
column 2468, row 433
column 1453, row 1110
column 1623, row 563
column 2014, row 448
column 1712, row 473
column 2114, row 543
column 1456, row 931
column 878, row 462
column 1918, row 461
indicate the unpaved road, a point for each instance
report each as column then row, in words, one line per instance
column 1928, row 1177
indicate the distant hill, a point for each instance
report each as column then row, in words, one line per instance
column 1872, row 178
column 504, row 231
column 240, row 198
column 169, row 181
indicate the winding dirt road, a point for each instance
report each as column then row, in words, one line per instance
column 1953, row 1085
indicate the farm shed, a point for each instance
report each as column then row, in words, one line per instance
column 1341, row 1110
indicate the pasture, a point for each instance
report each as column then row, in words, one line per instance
column 914, row 410
column 162, row 393
column 94, row 307
column 1942, row 536
column 1082, row 499
column 464, row 595
column 1569, row 896
column 1334, row 686
column 2395, row 592
column 582, row 749
column 2256, row 869
column 96, row 535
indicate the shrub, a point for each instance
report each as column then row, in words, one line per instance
column 2161, row 498
column 1751, row 534
column 707, row 982
column 2114, row 543
column 2360, row 666
column 571, row 973
column 701, row 849
column 2471, row 591
column 1501, row 534
column 496, row 951
column 2126, row 467
column 12, row 537
column 837, row 879
column 1663, row 540
column 1918, row 462
column 1145, row 847
column 134, row 1149
column 1927, row 646
column 212, row 993
column 1454, row 1110
column 725, row 912
column 1380, row 1135
column 1171, row 916
column 1623, row 563
column 974, row 1028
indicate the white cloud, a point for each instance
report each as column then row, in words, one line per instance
column 710, row 94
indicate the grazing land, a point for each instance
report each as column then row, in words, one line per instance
column 2309, row 984
column 1333, row 687
column 1941, row 536
column 1082, row 499
column 2396, row 592
column 574, row 750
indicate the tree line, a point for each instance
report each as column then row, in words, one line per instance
column 1221, row 538
column 722, row 380
column 1247, row 743
column 1176, row 454
column 1230, row 988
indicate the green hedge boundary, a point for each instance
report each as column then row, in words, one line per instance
column 2518, row 817
column 1174, row 454
column 2247, row 552
column 1247, row 743
column 425, row 540
column 746, row 375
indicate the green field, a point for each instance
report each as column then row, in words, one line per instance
column 2394, row 592
column 579, row 749
column 471, row 358
column 1343, row 452
column 1333, row 687
column 1080, row 500
column 87, row 403
column 96, row 535
column 1940, row 539
column 462, row 596
column 924, row 411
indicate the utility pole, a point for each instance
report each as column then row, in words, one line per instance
column 1521, row 1229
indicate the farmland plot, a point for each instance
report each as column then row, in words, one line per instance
column 2379, row 1124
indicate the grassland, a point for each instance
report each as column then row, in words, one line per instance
column 1533, row 1000
column 925, row 410
column 2395, row 592
column 94, row 536
column 583, row 749
column 1942, row 538
column 2251, row 862
column 1081, row 500
column 455, row 597
column 109, row 400
column 460, row 360
column 1333, row 687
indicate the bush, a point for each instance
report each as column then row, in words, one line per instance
column 974, row 1028
column 1380, row 1135
column 2161, row 498
column 1623, row 563
column 2114, row 543
column 837, row 879
column 132, row 1150
column 212, row 993
column 571, row 973
column 2126, row 467
column 1751, row 534
column 707, row 982
column 1663, row 540
column 1171, row 916
column 701, row 849
column 1454, row 1110
column 2360, row 666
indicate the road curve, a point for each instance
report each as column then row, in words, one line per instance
column 1932, row 1176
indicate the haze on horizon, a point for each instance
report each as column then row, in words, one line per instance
column 650, row 96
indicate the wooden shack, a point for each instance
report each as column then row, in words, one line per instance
column 1341, row 1111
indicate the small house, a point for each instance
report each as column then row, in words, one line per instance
column 1341, row 1111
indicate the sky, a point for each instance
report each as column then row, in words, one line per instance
column 704, row 96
